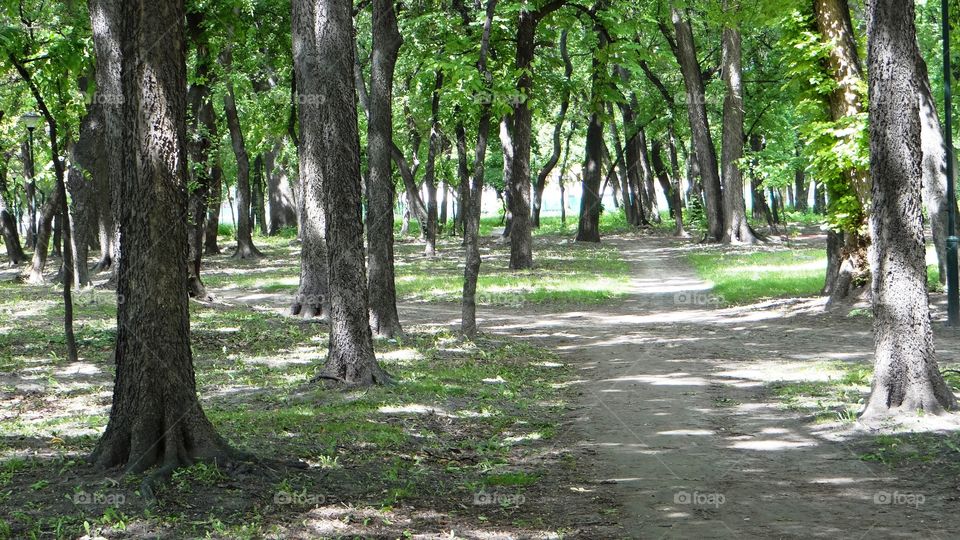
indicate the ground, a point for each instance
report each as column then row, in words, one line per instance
column 615, row 393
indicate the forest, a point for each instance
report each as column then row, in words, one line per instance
column 484, row 269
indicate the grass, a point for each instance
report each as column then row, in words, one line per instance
column 742, row 278
column 564, row 273
column 464, row 417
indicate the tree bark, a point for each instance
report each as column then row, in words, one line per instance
column 350, row 357
column 202, row 126
column 430, row 171
column 906, row 376
column 833, row 22
column 736, row 229
column 312, row 298
column 215, row 199
column 245, row 248
column 105, row 23
column 705, row 152
column 518, row 183
column 283, row 213
column 554, row 158
column 588, row 229
column 8, row 223
column 156, row 418
column 472, row 205
column 934, row 170
column 381, row 190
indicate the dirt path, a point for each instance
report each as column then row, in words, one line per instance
column 687, row 435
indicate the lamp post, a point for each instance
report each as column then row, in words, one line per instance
column 31, row 120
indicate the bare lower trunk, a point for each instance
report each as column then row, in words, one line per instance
column 934, row 172
column 472, row 205
column 245, row 248
column 8, row 223
column 384, row 320
column 906, row 376
column 736, row 229
column 283, row 213
column 312, row 298
column 350, row 356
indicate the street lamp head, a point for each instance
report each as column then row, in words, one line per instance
column 30, row 119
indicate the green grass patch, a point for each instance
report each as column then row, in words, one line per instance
column 742, row 278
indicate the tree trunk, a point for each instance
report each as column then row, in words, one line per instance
column 736, row 229
column 430, row 171
column 518, row 183
column 705, row 152
column 800, row 189
column 258, row 210
column 472, row 205
column 906, row 377
column 588, row 229
column 212, row 227
column 649, row 191
column 557, row 133
column 8, row 223
column 245, row 247
column 672, row 192
column 381, row 191
column 623, row 169
column 312, row 298
column 283, row 213
column 30, row 191
column 105, row 23
column 202, row 125
column 934, row 172
column 350, row 357
column 833, row 22
column 156, row 418
column 463, row 174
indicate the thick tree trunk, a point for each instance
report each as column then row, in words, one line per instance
column 736, row 229
column 8, row 223
column 282, row 203
column 44, row 231
column 463, row 173
column 312, row 298
column 350, row 357
column 105, row 24
column 518, row 183
column 906, row 376
column 800, row 190
column 588, row 229
column 833, row 22
column 472, row 205
column 156, row 418
column 381, row 191
column 705, row 152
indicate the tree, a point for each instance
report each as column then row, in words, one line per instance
column 736, row 229
column 156, row 418
column 846, row 246
column 471, row 205
column 588, row 229
column 381, row 189
column 350, row 357
column 685, row 51
column 8, row 226
column 245, row 247
column 906, row 376
column 312, row 298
